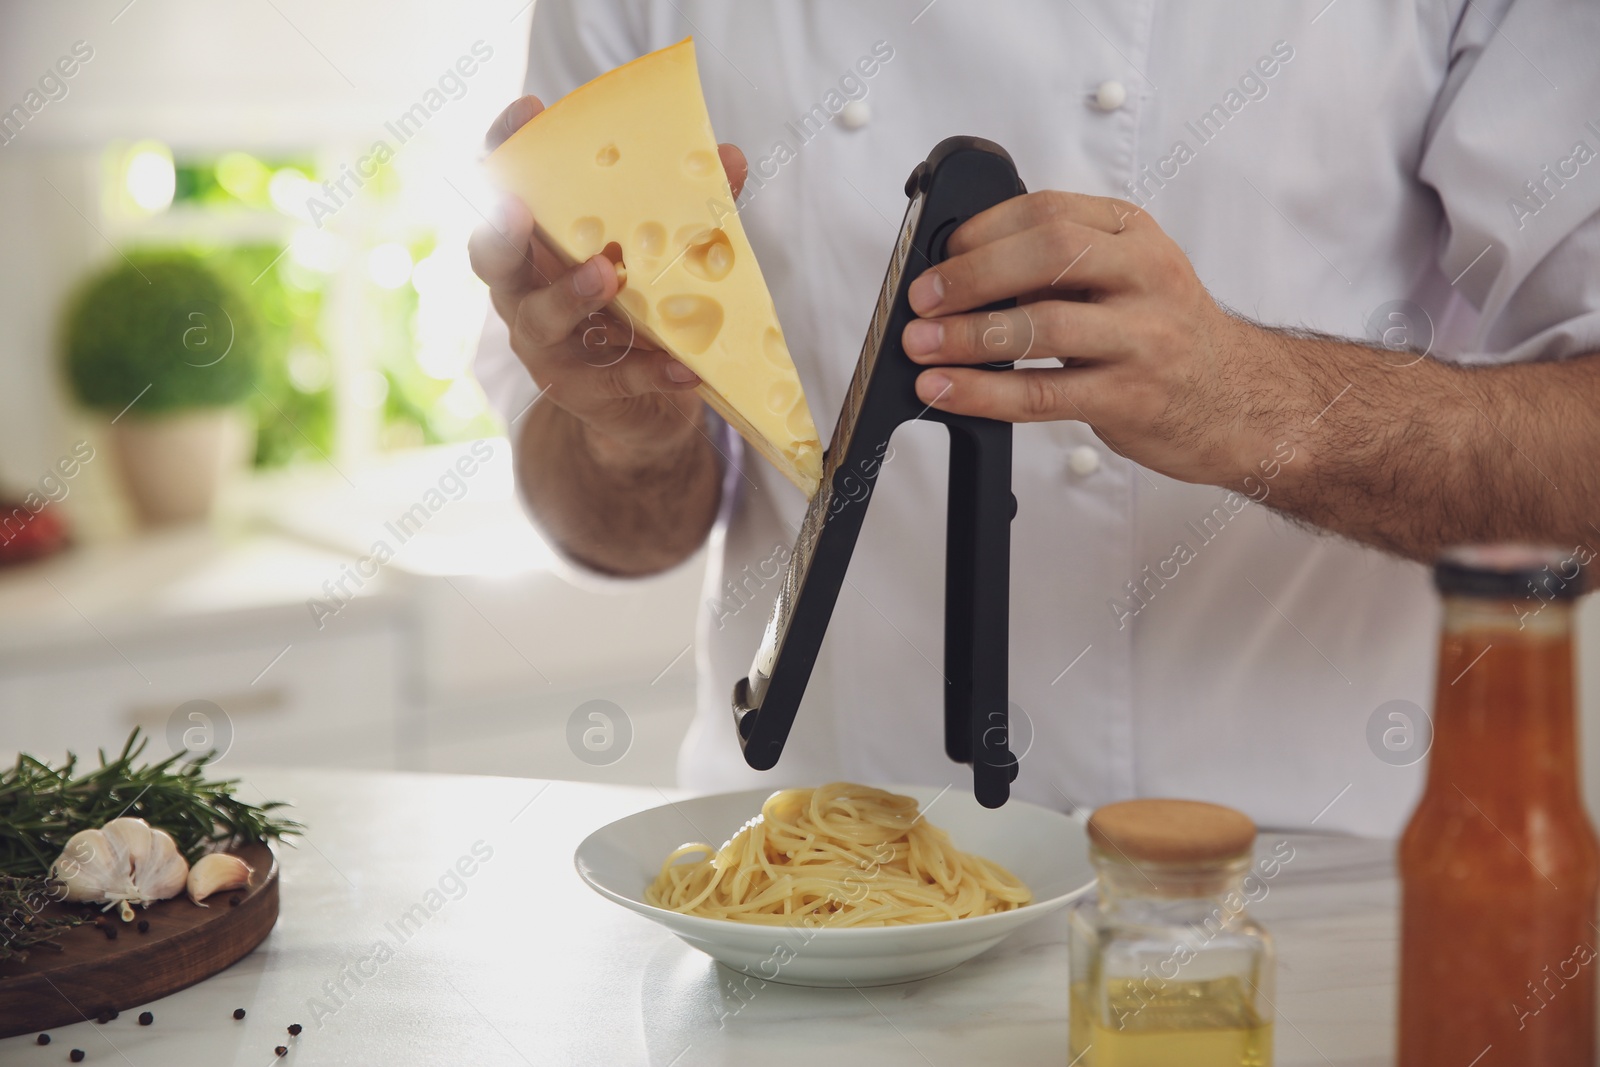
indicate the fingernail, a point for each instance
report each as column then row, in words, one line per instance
column 521, row 114
column 500, row 217
column 934, row 387
column 586, row 280
column 679, row 373
column 926, row 292
column 922, row 337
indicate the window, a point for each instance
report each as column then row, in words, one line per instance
column 359, row 271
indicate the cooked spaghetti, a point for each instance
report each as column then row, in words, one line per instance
column 838, row 855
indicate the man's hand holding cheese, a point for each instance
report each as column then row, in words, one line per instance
column 638, row 487
column 619, row 185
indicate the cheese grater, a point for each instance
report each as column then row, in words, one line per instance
column 961, row 177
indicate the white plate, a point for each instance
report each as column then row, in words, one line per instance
column 1046, row 849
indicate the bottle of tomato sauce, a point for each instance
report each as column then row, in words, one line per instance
column 1499, row 866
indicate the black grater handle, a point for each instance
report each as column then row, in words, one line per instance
column 977, row 605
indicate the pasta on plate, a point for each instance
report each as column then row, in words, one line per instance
column 840, row 855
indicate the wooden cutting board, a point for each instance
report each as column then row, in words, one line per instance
column 93, row 974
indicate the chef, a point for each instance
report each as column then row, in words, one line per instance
column 1308, row 291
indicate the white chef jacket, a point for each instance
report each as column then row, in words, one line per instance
column 1335, row 158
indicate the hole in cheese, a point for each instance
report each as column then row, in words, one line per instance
column 607, row 155
column 650, row 239
column 693, row 320
column 613, row 252
column 700, row 164
column 774, row 349
column 781, row 397
column 710, row 257
column 692, row 234
column 588, row 235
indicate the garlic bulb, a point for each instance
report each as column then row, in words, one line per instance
column 125, row 860
column 215, row 872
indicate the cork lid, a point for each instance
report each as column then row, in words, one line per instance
column 1171, row 831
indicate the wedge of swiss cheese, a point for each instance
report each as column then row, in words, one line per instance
column 630, row 158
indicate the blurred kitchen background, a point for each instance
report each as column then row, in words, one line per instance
column 161, row 192
column 180, row 167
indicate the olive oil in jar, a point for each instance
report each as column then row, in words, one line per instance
column 1168, row 969
column 1196, row 1024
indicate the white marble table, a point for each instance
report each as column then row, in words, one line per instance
column 527, row 966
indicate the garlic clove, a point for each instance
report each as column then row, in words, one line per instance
column 215, row 872
column 92, row 870
column 164, row 871
column 130, row 841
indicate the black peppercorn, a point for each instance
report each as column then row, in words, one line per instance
column 103, row 1017
column 76, row 1056
column 146, row 1018
column 294, row 1029
column 233, row 901
column 110, row 932
column 43, row 1039
column 281, row 1050
column 144, row 926
column 238, row 1013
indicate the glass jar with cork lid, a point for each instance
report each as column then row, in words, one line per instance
column 1167, row 966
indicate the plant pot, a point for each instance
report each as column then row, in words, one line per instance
column 173, row 465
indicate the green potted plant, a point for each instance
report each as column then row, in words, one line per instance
column 169, row 349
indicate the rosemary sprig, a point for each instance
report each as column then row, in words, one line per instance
column 22, row 927
column 42, row 806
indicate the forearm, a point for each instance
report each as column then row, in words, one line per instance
column 608, row 505
column 1411, row 454
column 1385, row 447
